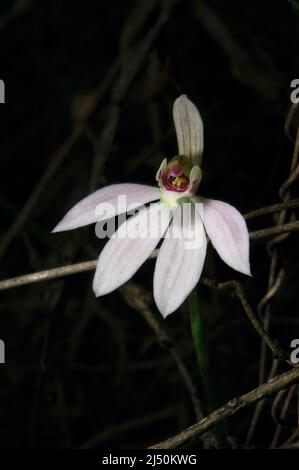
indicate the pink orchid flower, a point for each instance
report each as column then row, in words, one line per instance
column 178, row 267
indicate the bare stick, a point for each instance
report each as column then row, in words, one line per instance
column 231, row 408
column 54, row 273
column 48, row 274
column 272, row 208
column 283, row 414
column 139, row 299
column 273, row 231
column 276, row 275
column 277, row 351
column 86, row 266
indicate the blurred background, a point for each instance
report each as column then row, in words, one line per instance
column 89, row 89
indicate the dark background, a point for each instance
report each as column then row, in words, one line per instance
column 91, row 373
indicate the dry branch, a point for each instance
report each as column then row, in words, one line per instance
column 229, row 409
column 140, row 300
column 89, row 265
column 238, row 290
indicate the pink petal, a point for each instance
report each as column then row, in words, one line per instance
column 179, row 265
column 130, row 246
column 189, row 129
column 228, row 232
column 105, row 203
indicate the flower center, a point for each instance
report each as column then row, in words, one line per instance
column 176, row 176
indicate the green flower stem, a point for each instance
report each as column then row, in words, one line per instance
column 198, row 334
column 197, row 329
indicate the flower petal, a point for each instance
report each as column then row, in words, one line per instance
column 106, row 203
column 162, row 169
column 129, row 247
column 228, row 232
column 189, row 129
column 180, row 260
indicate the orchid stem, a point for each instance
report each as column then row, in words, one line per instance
column 202, row 354
column 197, row 329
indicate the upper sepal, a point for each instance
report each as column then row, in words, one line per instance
column 189, row 129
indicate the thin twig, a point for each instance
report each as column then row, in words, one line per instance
column 48, row 274
column 89, row 265
column 283, row 414
column 238, row 290
column 54, row 273
column 272, row 208
column 276, row 275
column 231, row 408
column 260, row 405
column 139, row 299
column 272, row 231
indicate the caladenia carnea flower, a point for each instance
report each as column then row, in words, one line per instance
column 179, row 263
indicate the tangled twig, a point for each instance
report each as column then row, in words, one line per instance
column 276, row 275
column 231, row 408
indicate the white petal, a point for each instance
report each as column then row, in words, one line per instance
column 228, row 232
column 130, row 246
column 106, row 203
column 189, row 129
column 180, row 261
column 162, row 169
